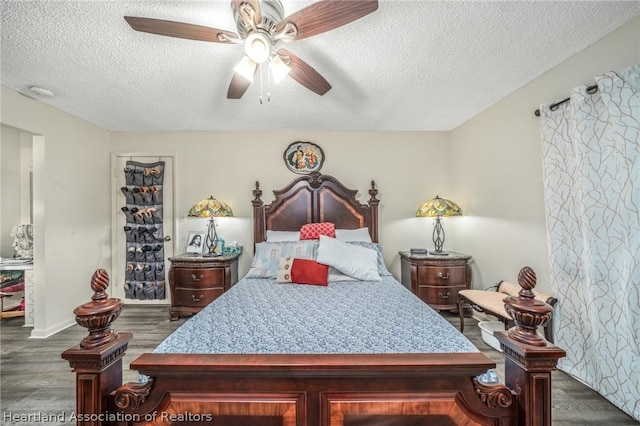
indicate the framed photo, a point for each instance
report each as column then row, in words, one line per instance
column 195, row 242
column 303, row 157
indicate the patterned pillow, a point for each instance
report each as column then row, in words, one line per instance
column 312, row 231
column 268, row 254
column 284, row 270
column 282, row 235
column 302, row 271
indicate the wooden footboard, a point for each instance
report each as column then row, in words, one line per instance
column 313, row 390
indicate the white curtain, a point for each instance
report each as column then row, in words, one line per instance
column 591, row 166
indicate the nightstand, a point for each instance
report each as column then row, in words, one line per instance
column 436, row 279
column 195, row 281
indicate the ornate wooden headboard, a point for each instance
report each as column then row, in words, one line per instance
column 314, row 198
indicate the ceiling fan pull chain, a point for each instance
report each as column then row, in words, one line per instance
column 268, row 86
column 260, row 84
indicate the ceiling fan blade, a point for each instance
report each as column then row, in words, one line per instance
column 327, row 15
column 238, row 86
column 255, row 5
column 304, row 73
column 181, row 30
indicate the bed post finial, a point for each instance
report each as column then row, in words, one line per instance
column 97, row 315
column 97, row 360
column 373, row 192
column 529, row 358
column 528, row 313
column 257, row 193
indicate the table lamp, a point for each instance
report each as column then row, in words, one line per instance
column 211, row 208
column 438, row 207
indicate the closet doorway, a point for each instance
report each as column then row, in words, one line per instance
column 119, row 279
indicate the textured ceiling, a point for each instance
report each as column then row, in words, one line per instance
column 411, row 65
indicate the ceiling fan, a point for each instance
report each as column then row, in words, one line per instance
column 261, row 27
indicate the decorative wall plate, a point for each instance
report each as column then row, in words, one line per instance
column 303, row 157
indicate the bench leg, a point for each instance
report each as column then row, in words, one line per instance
column 461, row 313
column 548, row 331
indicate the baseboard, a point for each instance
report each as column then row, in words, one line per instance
column 50, row 331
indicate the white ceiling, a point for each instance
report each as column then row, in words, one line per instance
column 411, row 65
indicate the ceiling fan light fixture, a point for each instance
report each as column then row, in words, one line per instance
column 246, row 68
column 258, row 47
column 261, row 26
column 278, row 68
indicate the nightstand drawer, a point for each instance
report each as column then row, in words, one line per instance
column 439, row 295
column 197, row 278
column 442, row 275
column 197, row 297
column 436, row 280
column 196, row 281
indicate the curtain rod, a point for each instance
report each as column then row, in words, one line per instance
column 590, row 90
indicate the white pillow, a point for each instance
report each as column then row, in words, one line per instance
column 283, row 235
column 355, row 261
column 360, row 234
column 335, row 276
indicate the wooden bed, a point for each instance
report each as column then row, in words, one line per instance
column 322, row 389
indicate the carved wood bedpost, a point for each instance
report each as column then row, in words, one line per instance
column 97, row 359
column 529, row 358
column 258, row 216
column 373, row 220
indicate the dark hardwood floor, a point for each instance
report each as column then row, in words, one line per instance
column 37, row 384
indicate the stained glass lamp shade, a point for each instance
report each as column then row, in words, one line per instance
column 211, row 208
column 438, row 207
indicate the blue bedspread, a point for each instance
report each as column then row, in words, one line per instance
column 262, row 316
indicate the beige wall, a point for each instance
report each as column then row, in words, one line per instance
column 71, row 206
column 491, row 166
column 408, row 168
column 9, row 188
column 16, row 164
column 498, row 164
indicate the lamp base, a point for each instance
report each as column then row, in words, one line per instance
column 441, row 253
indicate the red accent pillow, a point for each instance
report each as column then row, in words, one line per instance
column 306, row 271
column 312, row 231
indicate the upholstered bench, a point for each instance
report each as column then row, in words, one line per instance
column 490, row 302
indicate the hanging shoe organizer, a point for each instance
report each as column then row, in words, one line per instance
column 145, row 272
